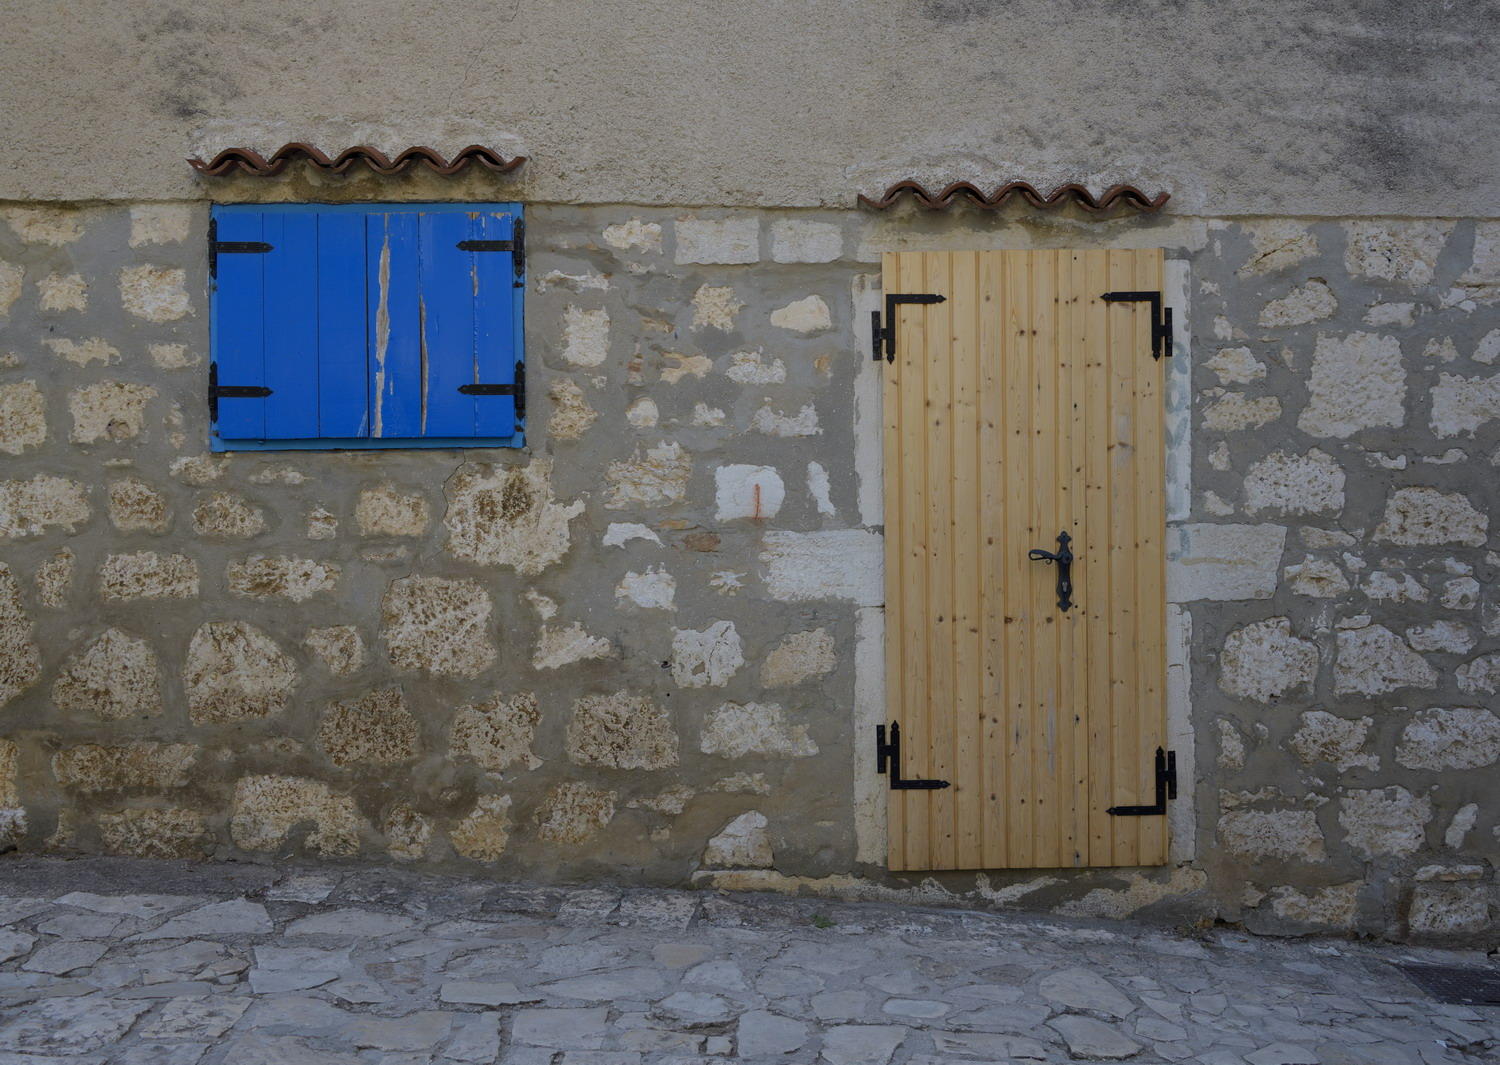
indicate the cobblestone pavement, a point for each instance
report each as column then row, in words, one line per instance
column 137, row 963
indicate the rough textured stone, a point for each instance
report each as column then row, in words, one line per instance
column 1317, row 578
column 155, row 293
column 797, row 658
column 375, row 729
column 718, row 241
column 742, row 491
column 226, row 516
column 20, row 657
column 1287, row 835
column 1236, row 412
column 171, row 832
column 11, row 279
column 508, row 517
column 1481, row 676
column 653, row 590
column 1332, row 908
column 1374, row 660
column 621, row 731
column 1463, row 405
column 1210, row 561
column 1442, row 910
column 1462, row 738
column 440, row 626
column 498, row 732
column 861, row 1044
column 807, row 315
column 407, row 833
column 1325, row 737
column 1263, row 661
column 108, row 411
column 655, row 477
column 23, row 417
column 1295, row 484
column 574, row 813
column 1394, row 251
column 769, row 421
column 485, row 832
column 1384, row 822
column 83, row 352
column 386, row 510
column 563, row 646
column 29, row 508
column 281, row 577
column 63, row 292
column 795, row 240
column 634, row 235
column 571, row 414
column 1428, row 517
column 268, row 808
column 1236, row 366
column 753, row 368
column 134, row 506
column 155, row 766
column 340, row 648
column 160, row 223
column 1452, row 637
column 706, row 657
column 116, row 676
column 1093, row 1040
column 585, row 335
column 1357, row 382
column 54, row 579
column 234, row 671
column 846, row 564
column 148, row 575
column 1303, row 304
column 741, row 844
column 714, row 307
column 735, row 730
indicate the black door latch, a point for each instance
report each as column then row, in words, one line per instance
column 1063, row 556
column 883, row 338
column 888, row 760
column 1161, row 319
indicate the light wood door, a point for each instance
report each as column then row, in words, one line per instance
column 1021, row 407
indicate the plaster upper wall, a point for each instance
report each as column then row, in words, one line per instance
column 1286, row 107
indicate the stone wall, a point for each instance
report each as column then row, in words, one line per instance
column 638, row 649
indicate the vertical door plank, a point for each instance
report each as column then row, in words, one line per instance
column 968, row 560
column 1020, row 614
column 1073, row 456
column 1046, row 522
column 343, row 347
column 239, row 339
column 1095, row 561
column 992, row 516
column 896, row 604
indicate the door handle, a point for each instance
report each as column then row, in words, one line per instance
column 1063, row 556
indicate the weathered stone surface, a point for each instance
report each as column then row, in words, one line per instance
column 1463, row 405
column 656, row 589
column 407, row 833
column 1295, row 484
column 1429, row 517
column 322, row 524
column 1303, row 304
column 846, row 564
column 1236, row 366
column 1394, row 251
column 571, row 414
column 718, row 240
column 23, row 417
column 387, row 510
column 157, row 766
column 117, row 676
column 54, row 579
column 1263, row 661
column 563, row 646
column 1461, row 738
column 1210, row 561
column 1384, row 822
column 807, row 315
column 1325, row 737
column 769, row 421
column 148, row 575
column 1357, row 382
column 20, row 657
column 735, row 730
column 63, row 292
column 714, row 307
column 226, row 516
column 574, row 813
column 741, row 844
column 83, row 352
column 1452, row 637
column 1394, row 587
column 498, row 732
column 634, row 235
column 585, row 336
column 1481, row 676
column 797, row 658
column 623, row 730
column 28, row 508
column 374, row 729
column 172, row 832
column 12, row 276
column 765, row 1034
column 160, row 223
column 1236, row 412
column 743, row 491
column 268, row 808
column 234, row 671
column 753, row 368
column 643, row 413
column 1092, row 1039
column 155, row 293
column 1287, row 835
column 134, row 506
column 861, row 1044
column 1374, row 660
column 706, row 657
column 71, row 1026
column 485, row 832
column 796, row 240
column 1332, row 908
column 281, row 577
column 437, row 625
column 1442, row 910
column 653, row 478
column 1317, row 578
column 340, row 648
column 109, row 411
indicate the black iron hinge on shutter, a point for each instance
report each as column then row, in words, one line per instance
column 517, row 390
column 217, row 391
column 516, row 245
column 1161, row 319
column 888, row 760
column 1166, row 788
column 217, row 247
column 883, row 338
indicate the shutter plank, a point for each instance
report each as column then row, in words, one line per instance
column 395, row 326
column 343, row 326
column 291, row 317
column 447, row 281
column 498, row 341
column 238, row 342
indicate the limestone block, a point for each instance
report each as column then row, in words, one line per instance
column 735, row 730
column 160, row 223
column 807, row 315
column 745, row 491
column 634, row 235
column 1428, row 517
column 1264, row 662
column 1393, row 587
column 574, row 813
column 643, row 413
column 322, row 524
column 799, row 657
column 116, row 676
column 716, row 241
column 1306, row 303
column 714, row 307
column 1340, row 742
column 771, row 422
column 199, row 470
column 1487, row 350
column 1461, row 593
column 1333, row 908
column 1285, row 835
column 281, row 577
column 267, row 808
column 1277, row 244
column 585, row 336
column 842, row 564
column 1453, row 637
column 1461, row 738
column 1462, row 405
column 1295, row 484
column 386, row 510
column 407, row 833
column 1384, row 822
column 696, row 366
column 234, row 671
column 374, row 729
column 508, row 516
column 1236, row 366
column 12, row 277
column 1374, row 660
column 620, row 533
column 10, row 758
column 56, row 226
column 1481, row 676
column 753, row 368
column 818, row 487
column 558, row 647
column 340, row 648
column 795, row 240
column 83, row 352
column 155, row 293
column 226, row 516
column 1440, row 910
column 1220, row 562
column 1404, row 252
column 20, row 657
column 63, row 292
column 1357, row 382
column 170, row 833
column 1231, row 746
column 571, row 413
column 134, row 506
column 497, row 733
column 23, row 417
column 485, row 832
column 28, row 508
column 653, row 590
column 741, row 844
column 148, row 575
column 54, row 579
column 623, row 730
column 438, row 625
column 1235, row 412
column 706, row 657
column 154, row 766
column 1317, row 578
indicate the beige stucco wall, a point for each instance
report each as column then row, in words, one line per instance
column 1234, row 107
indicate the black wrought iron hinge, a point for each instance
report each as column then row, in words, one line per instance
column 516, row 245
column 217, row 391
column 217, row 247
column 888, row 760
column 884, row 337
column 517, row 390
column 1166, row 788
column 1161, row 319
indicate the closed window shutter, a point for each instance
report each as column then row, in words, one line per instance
column 237, row 359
